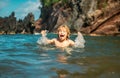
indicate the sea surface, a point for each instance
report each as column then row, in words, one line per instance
column 22, row 57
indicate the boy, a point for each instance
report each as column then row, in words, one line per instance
column 63, row 37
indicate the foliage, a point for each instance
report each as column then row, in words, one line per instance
column 50, row 2
column 102, row 4
column 105, row 4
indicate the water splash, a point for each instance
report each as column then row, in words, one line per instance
column 42, row 40
column 80, row 41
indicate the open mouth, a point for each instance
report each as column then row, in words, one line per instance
column 61, row 35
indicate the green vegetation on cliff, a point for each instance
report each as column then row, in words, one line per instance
column 50, row 2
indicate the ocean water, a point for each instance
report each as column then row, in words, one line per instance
column 22, row 57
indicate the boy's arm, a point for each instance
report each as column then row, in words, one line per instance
column 72, row 43
column 48, row 41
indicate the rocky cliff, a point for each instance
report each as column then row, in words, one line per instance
column 94, row 17
column 9, row 25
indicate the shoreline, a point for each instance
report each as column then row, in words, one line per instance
column 117, row 34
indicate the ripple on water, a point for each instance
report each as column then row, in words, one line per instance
column 22, row 57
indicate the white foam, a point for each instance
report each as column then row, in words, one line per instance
column 42, row 40
column 80, row 41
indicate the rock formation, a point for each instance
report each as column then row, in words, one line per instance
column 9, row 25
column 105, row 21
column 94, row 17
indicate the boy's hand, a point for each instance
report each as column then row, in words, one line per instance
column 79, row 33
column 43, row 32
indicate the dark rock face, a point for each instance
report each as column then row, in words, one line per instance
column 73, row 13
column 28, row 23
column 105, row 21
column 9, row 25
column 89, row 17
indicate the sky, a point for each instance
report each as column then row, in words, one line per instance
column 20, row 7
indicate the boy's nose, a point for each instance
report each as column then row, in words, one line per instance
column 62, row 32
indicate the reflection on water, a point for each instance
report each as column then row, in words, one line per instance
column 22, row 57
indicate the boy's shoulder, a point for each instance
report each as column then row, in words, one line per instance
column 70, row 40
column 54, row 39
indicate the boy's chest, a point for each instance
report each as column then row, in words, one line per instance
column 61, row 44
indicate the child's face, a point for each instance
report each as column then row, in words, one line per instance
column 62, row 34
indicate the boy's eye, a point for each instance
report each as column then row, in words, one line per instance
column 62, row 31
